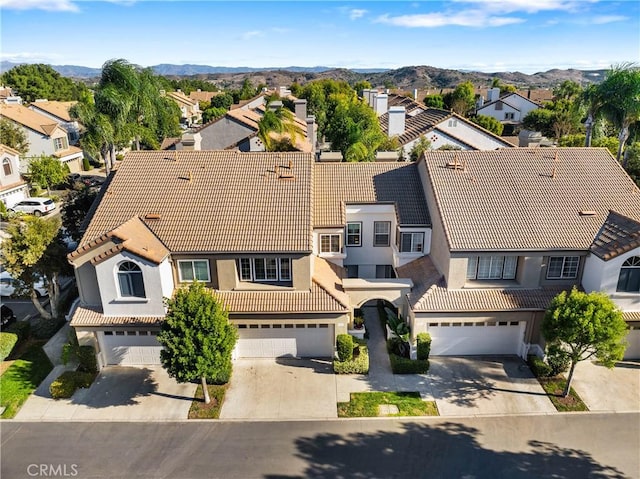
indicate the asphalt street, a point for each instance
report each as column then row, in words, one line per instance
column 546, row 446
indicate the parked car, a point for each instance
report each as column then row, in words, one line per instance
column 8, row 285
column 93, row 180
column 35, row 206
column 7, row 315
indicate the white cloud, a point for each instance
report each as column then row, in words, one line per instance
column 465, row 18
column 602, row 19
column 30, row 57
column 356, row 13
column 252, row 34
column 49, row 5
column 527, row 6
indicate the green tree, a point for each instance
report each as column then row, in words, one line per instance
column 212, row 113
column 568, row 90
column 418, row 148
column 361, row 85
column 489, row 123
column 585, row 325
column 47, row 171
column 25, row 255
column 434, row 101
column 281, row 124
column 540, row 120
column 197, row 337
column 504, row 88
column 39, row 81
column 463, row 98
column 222, row 101
column 74, row 211
column 13, row 136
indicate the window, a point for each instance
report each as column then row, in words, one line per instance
column 381, row 233
column 509, row 115
column 60, row 143
column 195, row 270
column 411, row 242
column 499, row 105
column 130, row 280
column 453, row 122
column 264, row 269
column 385, row 271
column 330, row 243
column 6, row 166
column 629, row 279
column 563, row 267
column 492, row 267
column 354, row 234
column 352, row 270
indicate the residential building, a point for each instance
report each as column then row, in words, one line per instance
column 45, row 137
column 190, row 113
column 205, row 96
column 59, row 112
column 509, row 109
column 13, row 188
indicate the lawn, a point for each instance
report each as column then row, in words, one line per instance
column 554, row 388
column 22, row 378
column 366, row 404
column 200, row 410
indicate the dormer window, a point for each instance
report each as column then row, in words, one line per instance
column 130, row 280
column 60, row 143
column 629, row 279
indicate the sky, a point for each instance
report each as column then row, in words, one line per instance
column 482, row 35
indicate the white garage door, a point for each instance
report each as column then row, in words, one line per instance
column 284, row 340
column 487, row 338
column 130, row 348
column 633, row 344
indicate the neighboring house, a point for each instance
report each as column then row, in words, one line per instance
column 205, row 96
column 45, row 136
column 509, row 109
column 409, row 120
column 59, row 111
column 470, row 246
column 13, row 188
column 190, row 113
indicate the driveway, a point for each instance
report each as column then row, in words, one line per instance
column 463, row 386
column 281, row 389
column 117, row 394
column 604, row 389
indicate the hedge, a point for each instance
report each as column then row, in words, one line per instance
column 87, row 359
column 46, row 328
column 66, row 384
column 400, row 365
column 345, row 347
column 538, row 367
column 7, row 342
column 21, row 328
column 359, row 364
column 424, row 345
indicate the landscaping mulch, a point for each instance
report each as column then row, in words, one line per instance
column 554, row 388
column 200, row 410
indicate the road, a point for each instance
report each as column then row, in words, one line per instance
column 558, row 446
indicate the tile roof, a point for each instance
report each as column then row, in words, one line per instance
column 29, row 118
column 72, row 150
column 249, row 118
column 337, row 184
column 204, row 95
column 180, row 97
column 55, row 108
column 93, row 316
column 168, row 142
column 507, row 98
column 430, row 295
column 215, row 201
column 618, row 235
column 523, row 199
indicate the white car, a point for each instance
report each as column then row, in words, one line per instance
column 36, row 206
column 8, row 285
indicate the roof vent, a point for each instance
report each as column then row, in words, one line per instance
column 152, row 216
column 587, row 213
column 455, row 164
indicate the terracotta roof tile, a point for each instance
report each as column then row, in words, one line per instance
column 59, row 109
column 337, row 184
column 618, row 235
column 522, row 199
column 631, row 315
column 29, row 118
column 234, row 201
column 93, row 316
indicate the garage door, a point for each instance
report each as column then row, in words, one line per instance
column 285, row 340
column 131, row 348
column 459, row 339
column 633, row 344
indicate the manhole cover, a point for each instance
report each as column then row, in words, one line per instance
column 387, row 409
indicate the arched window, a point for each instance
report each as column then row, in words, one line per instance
column 629, row 279
column 130, row 280
column 6, row 166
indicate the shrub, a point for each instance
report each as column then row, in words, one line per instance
column 538, row 367
column 397, row 325
column 424, row 345
column 87, row 359
column 7, row 342
column 400, row 365
column 557, row 359
column 64, row 386
column 86, row 166
column 358, row 365
column 345, row 347
column 84, row 379
column 398, row 347
column 45, row 328
column 21, row 329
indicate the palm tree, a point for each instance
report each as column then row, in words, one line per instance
column 279, row 122
column 590, row 97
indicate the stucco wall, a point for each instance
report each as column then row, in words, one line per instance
column 603, row 276
column 477, row 138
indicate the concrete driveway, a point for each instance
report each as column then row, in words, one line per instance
column 281, row 389
column 117, row 394
column 463, row 386
column 604, row 389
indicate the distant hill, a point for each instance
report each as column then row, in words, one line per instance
column 405, row 78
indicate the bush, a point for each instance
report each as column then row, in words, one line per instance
column 424, row 345
column 345, row 347
column 21, row 328
column 87, row 359
column 86, row 166
column 399, row 347
column 64, row 386
column 538, row 367
column 84, row 379
column 401, row 365
column 45, row 328
column 358, row 365
column 557, row 359
column 7, row 342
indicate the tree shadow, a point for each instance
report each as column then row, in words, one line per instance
column 117, row 386
column 445, row 450
column 318, row 365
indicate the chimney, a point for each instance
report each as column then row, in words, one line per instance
column 370, row 95
column 301, row 109
column 275, row 105
column 380, row 102
column 311, row 131
column 493, row 94
column 480, row 102
column 396, row 120
column 415, row 94
column 365, row 94
column 190, row 142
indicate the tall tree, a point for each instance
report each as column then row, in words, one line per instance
column 74, row 211
column 585, row 325
column 197, row 337
column 47, row 171
column 34, row 81
column 281, row 124
column 462, row 99
column 13, row 136
column 489, row 123
column 434, row 101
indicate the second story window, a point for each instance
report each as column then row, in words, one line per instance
column 509, row 115
column 563, row 267
column 194, row 270
column 629, row 279
column 60, row 143
column 381, row 233
column 411, row 242
column 6, row 166
column 264, row 269
column 130, row 280
column 354, row 234
column 330, row 243
column 492, row 267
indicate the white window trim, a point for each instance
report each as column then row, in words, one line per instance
column 324, row 235
column 347, row 234
column 473, row 262
column 564, row 261
column 182, row 280
column 387, row 234
column 129, row 299
column 265, row 258
column 412, row 243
